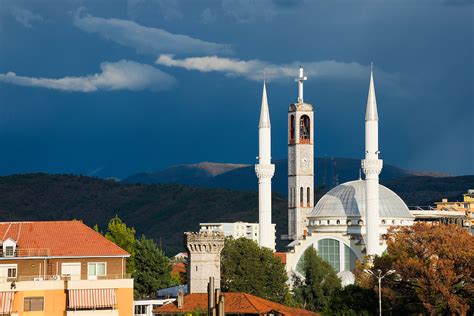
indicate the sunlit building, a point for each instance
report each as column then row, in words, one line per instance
column 62, row 268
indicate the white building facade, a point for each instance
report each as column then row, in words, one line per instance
column 238, row 230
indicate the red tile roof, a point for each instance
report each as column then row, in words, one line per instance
column 235, row 303
column 281, row 255
column 178, row 268
column 59, row 238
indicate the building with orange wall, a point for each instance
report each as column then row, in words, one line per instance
column 62, row 268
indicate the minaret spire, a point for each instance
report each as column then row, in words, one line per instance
column 265, row 170
column 372, row 167
column 264, row 112
column 371, row 110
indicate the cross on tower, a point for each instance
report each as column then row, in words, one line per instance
column 300, row 80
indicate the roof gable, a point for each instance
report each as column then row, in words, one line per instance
column 60, row 239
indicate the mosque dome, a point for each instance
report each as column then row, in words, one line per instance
column 348, row 200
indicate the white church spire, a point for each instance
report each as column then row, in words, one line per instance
column 265, row 170
column 372, row 167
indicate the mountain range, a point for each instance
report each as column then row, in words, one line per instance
column 329, row 172
column 164, row 211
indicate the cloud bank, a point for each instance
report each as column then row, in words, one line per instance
column 146, row 39
column 122, row 75
column 254, row 69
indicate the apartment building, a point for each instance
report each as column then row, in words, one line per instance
column 237, row 230
column 62, row 268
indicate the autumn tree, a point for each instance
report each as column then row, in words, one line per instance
column 319, row 283
column 434, row 266
column 123, row 236
column 245, row 267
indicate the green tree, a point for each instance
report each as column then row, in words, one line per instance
column 124, row 237
column 352, row 300
column 245, row 267
column 319, row 283
column 152, row 268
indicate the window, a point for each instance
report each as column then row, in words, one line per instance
column 290, row 197
column 308, row 197
column 141, row 309
column 305, row 134
column 96, row 269
column 292, row 129
column 301, row 197
column 329, row 250
column 32, row 304
column 349, row 259
column 9, row 251
column 11, row 272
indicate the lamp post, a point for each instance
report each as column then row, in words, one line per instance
column 379, row 277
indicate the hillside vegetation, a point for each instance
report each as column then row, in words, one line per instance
column 164, row 211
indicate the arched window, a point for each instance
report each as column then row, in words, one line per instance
column 292, row 129
column 289, row 197
column 308, row 197
column 328, row 249
column 305, row 132
column 350, row 259
column 301, row 196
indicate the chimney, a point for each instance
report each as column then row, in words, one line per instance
column 210, row 298
column 180, row 299
column 221, row 306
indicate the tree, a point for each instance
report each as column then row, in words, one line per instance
column 124, row 237
column 352, row 300
column 319, row 283
column 434, row 270
column 245, row 267
column 152, row 268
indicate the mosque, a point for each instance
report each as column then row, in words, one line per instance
column 348, row 222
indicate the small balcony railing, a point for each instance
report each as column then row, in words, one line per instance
column 41, row 278
column 26, row 252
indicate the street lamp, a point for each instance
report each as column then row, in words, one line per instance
column 379, row 277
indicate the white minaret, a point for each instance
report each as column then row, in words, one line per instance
column 300, row 163
column 372, row 167
column 265, row 170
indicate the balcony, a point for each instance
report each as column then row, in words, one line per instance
column 25, row 252
column 45, row 278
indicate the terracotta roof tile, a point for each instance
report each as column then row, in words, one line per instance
column 235, row 303
column 281, row 255
column 60, row 238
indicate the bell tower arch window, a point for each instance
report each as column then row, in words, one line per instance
column 308, row 197
column 305, row 132
column 292, row 129
column 301, row 196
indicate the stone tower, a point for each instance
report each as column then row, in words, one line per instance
column 372, row 167
column 300, row 163
column 265, row 170
column 204, row 255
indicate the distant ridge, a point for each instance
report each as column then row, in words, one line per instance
column 165, row 211
column 329, row 172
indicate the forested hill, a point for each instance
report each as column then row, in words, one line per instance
column 165, row 211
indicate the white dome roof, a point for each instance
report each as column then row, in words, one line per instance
column 348, row 200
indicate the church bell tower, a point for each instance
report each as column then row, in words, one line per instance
column 300, row 163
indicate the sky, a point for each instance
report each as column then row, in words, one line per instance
column 110, row 88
